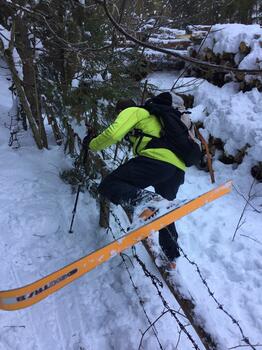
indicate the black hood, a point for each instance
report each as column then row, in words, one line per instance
column 161, row 110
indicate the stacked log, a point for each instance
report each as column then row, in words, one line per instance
column 162, row 37
column 210, row 54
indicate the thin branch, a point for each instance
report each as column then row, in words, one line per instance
column 244, row 346
column 71, row 46
column 253, row 239
column 3, row 36
column 150, row 326
column 183, row 72
column 240, row 222
column 178, row 339
column 255, row 209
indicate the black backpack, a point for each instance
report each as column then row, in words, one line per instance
column 175, row 134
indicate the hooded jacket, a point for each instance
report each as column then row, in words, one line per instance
column 136, row 118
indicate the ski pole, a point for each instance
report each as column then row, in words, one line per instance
column 85, row 150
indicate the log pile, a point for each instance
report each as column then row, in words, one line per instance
column 197, row 33
column 163, row 37
column 230, row 59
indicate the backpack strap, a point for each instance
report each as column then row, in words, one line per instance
column 139, row 134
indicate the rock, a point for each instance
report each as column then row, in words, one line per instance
column 256, row 171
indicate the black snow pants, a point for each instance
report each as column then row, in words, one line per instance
column 138, row 173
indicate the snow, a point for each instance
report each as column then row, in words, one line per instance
column 227, row 38
column 5, row 36
column 98, row 311
column 5, row 95
column 165, row 81
column 231, row 268
column 101, row 309
column 153, row 53
column 233, row 116
column 226, row 112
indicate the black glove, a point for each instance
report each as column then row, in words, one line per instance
column 87, row 139
column 91, row 132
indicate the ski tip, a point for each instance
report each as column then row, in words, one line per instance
column 229, row 184
column 225, row 187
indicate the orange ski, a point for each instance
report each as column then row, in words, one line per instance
column 30, row 294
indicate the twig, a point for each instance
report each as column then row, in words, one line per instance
column 253, row 239
column 251, row 205
column 152, row 325
column 183, row 72
column 178, row 340
column 240, row 223
column 243, row 346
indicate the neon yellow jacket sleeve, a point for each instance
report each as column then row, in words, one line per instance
column 124, row 122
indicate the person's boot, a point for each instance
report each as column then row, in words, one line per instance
column 143, row 205
column 171, row 261
column 168, row 242
column 146, row 204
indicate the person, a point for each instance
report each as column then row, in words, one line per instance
column 152, row 165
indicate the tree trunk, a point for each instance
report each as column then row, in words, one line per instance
column 26, row 53
column 8, row 55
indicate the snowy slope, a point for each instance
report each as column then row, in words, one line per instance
column 232, row 268
column 98, row 311
column 101, row 310
column 227, row 38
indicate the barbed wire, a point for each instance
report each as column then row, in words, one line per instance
column 156, row 320
column 158, row 285
column 156, row 282
column 212, row 294
column 165, row 303
column 141, row 301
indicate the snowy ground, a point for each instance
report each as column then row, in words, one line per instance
column 101, row 310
